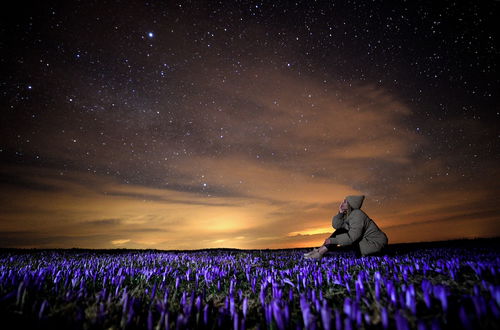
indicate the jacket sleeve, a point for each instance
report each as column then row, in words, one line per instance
column 355, row 230
column 338, row 221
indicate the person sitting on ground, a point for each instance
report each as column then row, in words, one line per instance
column 353, row 227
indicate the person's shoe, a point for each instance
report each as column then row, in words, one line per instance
column 310, row 253
column 315, row 255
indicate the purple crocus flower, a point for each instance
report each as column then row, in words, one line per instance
column 426, row 285
column 441, row 294
column 286, row 313
column 231, row 285
column 348, row 287
column 183, row 299
column 232, row 305
column 153, row 292
column 464, row 318
column 338, row 319
column 421, row 325
column 235, row 321
column 347, row 324
column 131, row 311
column 410, row 301
column 326, row 316
column 358, row 316
column 306, row 311
column 477, row 290
column 42, row 308
column 245, row 307
column 162, row 319
column 427, row 299
column 150, row 320
column 181, row 321
column 401, row 321
column 198, row 303
column 206, row 312
column 385, row 318
column 124, row 301
column 287, row 281
column 367, row 318
column 262, row 296
column 393, row 296
column 360, row 289
column 268, row 313
column 495, row 293
column 479, row 305
column 278, row 317
column 347, row 307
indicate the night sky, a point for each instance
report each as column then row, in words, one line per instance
column 199, row 124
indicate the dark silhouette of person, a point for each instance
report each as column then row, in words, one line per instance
column 353, row 227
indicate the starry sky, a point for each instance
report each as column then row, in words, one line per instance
column 244, row 124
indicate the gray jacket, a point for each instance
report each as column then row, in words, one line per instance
column 360, row 228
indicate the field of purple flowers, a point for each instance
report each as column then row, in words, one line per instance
column 422, row 288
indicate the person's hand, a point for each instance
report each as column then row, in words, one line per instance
column 327, row 241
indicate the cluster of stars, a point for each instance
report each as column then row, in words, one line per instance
column 120, row 79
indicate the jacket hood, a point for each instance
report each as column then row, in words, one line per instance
column 355, row 201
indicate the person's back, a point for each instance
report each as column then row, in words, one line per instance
column 373, row 239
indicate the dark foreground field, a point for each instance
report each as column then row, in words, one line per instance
column 441, row 285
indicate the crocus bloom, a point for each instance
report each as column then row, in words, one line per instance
column 464, row 318
column 440, row 293
column 338, row 319
column 347, row 306
column 385, row 318
column 326, row 317
column 278, row 317
column 245, row 307
column 42, row 308
column 235, row 321
column 401, row 321
column 306, row 312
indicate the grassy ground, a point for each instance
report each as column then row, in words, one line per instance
column 452, row 284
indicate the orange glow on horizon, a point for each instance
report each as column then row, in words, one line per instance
column 280, row 192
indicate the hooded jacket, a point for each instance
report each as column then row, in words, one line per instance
column 360, row 229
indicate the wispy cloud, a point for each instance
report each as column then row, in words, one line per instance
column 289, row 148
column 120, row 241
